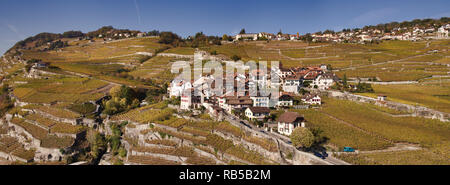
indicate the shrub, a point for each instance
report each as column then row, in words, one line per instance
column 302, row 137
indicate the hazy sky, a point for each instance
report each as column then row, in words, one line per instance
column 23, row 18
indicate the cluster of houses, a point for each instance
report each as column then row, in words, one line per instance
column 358, row 36
column 256, row 107
column 266, row 36
column 111, row 35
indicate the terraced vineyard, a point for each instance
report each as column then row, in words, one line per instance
column 85, row 71
column 372, row 129
column 149, row 160
column 434, row 96
column 54, row 110
column 98, row 51
column 342, row 135
column 145, row 115
column 58, row 90
column 10, row 145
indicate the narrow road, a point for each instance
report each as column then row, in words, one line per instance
column 237, row 122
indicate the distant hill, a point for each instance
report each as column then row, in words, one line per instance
column 44, row 38
column 111, row 32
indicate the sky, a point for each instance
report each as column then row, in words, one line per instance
column 20, row 19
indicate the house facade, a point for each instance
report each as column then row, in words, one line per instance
column 285, row 101
column 257, row 113
column 312, row 99
column 247, row 36
column 177, row 88
column 292, row 84
column 324, row 81
column 288, row 121
column 260, row 101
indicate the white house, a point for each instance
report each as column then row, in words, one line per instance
column 247, row 36
column 288, row 121
column 292, row 84
column 312, row 99
column 442, row 33
column 285, row 101
column 258, row 77
column 260, row 101
column 190, row 101
column 381, row 98
column 324, row 81
column 230, row 103
column 177, row 87
column 365, row 38
column 257, row 113
column 293, row 37
column 268, row 36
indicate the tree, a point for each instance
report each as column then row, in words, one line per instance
column 302, row 137
column 122, row 98
column 344, row 81
column 73, row 34
column 225, row 37
column 242, row 31
column 169, row 38
column 97, row 143
column 319, row 136
column 154, row 33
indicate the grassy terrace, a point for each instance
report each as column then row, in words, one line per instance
column 183, row 151
column 49, row 141
column 426, row 132
column 57, row 142
column 145, row 115
column 431, row 95
column 399, row 71
column 220, row 144
column 420, row 157
column 48, row 123
column 164, row 142
column 10, row 145
column 200, row 160
column 372, row 129
column 99, row 72
column 148, row 160
column 198, row 128
column 343, row 55
column 342, row 135
column 98, row 51
column 58, row 90
column 181, row 51
column 35, row 131
column 98, row 59
column 156, row 68
column 54, row 126
column 55, row 111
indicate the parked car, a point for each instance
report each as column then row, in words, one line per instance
column 349, row 149
column 319, row 155
column 325, row 154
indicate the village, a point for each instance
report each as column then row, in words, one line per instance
column 300, row 88
column 126, row 106
column 362, row 36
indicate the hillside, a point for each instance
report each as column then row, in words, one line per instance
column 102, row 97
